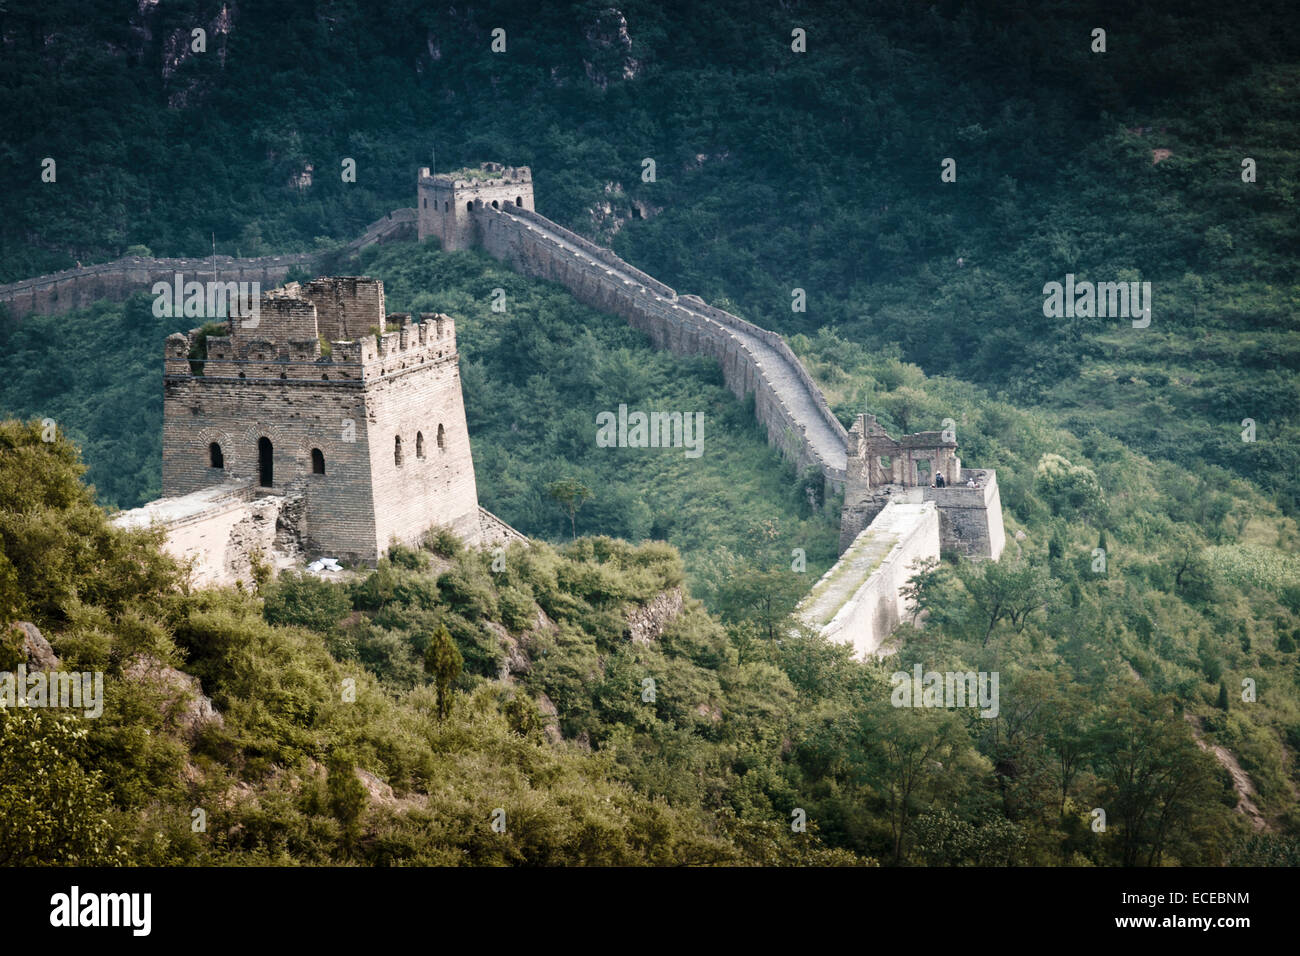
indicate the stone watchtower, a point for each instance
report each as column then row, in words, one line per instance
column 882, row 470
column 353, row 417
column 445, row 201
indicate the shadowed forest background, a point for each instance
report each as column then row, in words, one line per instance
column 774, row 171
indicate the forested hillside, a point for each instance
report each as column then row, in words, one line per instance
column 774, row 171
column 389, row 718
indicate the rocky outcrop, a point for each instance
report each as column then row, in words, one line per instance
column 648, row 621
column 39, row 655
column 184, row 706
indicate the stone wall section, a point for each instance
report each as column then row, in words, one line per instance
column 413, row 393
column 970, row 519
column 754, row 361
column 859, row 601
column 218, row 531
column 116, row 281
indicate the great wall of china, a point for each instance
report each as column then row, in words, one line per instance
column 891, row 519
column 115, row 281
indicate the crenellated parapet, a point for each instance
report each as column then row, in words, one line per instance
column 288, row 339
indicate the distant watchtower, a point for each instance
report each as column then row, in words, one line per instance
column 446, row 200
column 353, row 418
column 881, row 470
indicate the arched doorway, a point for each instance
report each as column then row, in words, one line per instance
column 265, row 475
column 215, row 458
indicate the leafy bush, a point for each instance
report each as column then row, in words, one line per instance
column 302, row 599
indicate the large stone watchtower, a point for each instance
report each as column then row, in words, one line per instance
column 445, row 200
column 351, row 417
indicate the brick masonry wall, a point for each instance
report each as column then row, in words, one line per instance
column 971, row 518
column 413, row 403
column 297, row 416
column 684, row 325
column 116, row 281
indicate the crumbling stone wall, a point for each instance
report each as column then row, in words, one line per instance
column 881, row 470
column 220, row 531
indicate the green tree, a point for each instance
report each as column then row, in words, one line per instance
column 1157, row 785
column 52, row 810
column 443, row 662
column 305, row 600
column 571, row 494
column 347, row 794
column 1004, row 591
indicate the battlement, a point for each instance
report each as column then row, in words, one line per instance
column 485, row 174
column 366, row 435
column 290, row 338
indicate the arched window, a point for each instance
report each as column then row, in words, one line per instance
column 446, row 206
column 426, row 202
column 215, row 458
column 265, row 462
column 442, row 439
column 470, row 205
column 419, row 444
column 317, row 462
column 496, row 204
column 397, row 450
column 519, row 200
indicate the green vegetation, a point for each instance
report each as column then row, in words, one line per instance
column 353, row 730
column 533, row 378
column 775, row 171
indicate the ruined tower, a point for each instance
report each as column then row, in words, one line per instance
column 882, row 470
column 444, row 201
column 353, row 417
